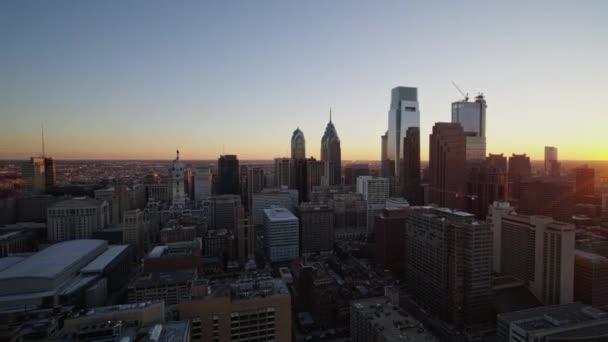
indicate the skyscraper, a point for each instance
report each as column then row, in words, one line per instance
column 472, row 117
column 520, row 170
column 553, row 197
column 316, row 228
column 447, row 165
column 412, row 191
column 202, row 183
column 331, row 155
column 315, row 171
column 353, row 171
column 228, row 167
column 176, row 172
column 384, row 164
column 403, row 113
column 375, row 191
column 551, row 161
column 298, row 145
column 584, row 181
column 449, row 264
column 255, row 183
column 34, row 176
column 283, row 173
column 49, row 173
column 486, row 184
column 281, row 236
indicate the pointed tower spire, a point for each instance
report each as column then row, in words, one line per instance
column 43, row 149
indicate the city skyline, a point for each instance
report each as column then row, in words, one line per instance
column 216, row 78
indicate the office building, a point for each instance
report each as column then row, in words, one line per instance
column 135, row 232
column 247, row 307
column 298, row 145
column 33, row 174
column 222, row 211
column 447, row 165
column 584, row 184
column 590, row 278
column 176, row 183
column 485, row 185
column 202, row 181
column 76, row 218
column 316, row 228
column 331, row 155
column 174, row 256
column 375, row 191
column 498, row 161
column 299, row 169
column 449, row 264
column 535, row 249
column 472, row 117
column 385, row 170
column 315, row 171
column 255, row 183
column 553, row 197
column 245, row 236
column 410, row 173
column 316, row 292
column 379, row 319
column 354, row 171
column 350, row 216
column 177, row 233
column 389, row 232
column 284, row 173
column 228, row 168
column 273, row 198
column 551, row 162
column 118, row 201
column 17, row 242
column 520, row 170
column 173, row 287
column 50, row 173
column 218, row 243
column 567, row 322
column 281, row 234
column 404, row 113
column 77, row 272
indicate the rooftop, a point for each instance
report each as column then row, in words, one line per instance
column 279, row 214
column 77, row 202
column 549, row 317
column 101, row 262
column 247, row 285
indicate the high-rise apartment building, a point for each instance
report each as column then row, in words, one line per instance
column 272, row 198
column 76, row 218
column 447, row 165
column 410, row 173
column 584, row 181
column 222, row 211
column 520, row 170
column 449, row 264
column 228, row 173
column 551, row 162
column 535, row 249
column 248, row 307
column 282, row 230
column 472, row 117
column 590, row 278
column 177, row 185
column 203, row 180
column 331, row 155
column 375, row 191
column 403, row 114
column 316, row 228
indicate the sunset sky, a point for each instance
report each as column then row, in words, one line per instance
column 138, row 79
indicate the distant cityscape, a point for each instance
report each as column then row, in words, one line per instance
column 467, row 246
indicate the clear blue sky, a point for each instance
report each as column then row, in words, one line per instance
column 136, row 79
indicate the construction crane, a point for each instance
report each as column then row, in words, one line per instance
column 466, row 96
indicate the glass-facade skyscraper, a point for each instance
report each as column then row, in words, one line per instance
column 472, row 117
column 403, row 114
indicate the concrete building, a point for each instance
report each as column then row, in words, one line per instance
column 77, row 272
column 354, row 171
column 350, row 216
column 281, row 234
column 144, row 313
column 404, row 113
column 380, row 320
column 584, row 184
column 203, row 181
column 50, row 173
column 553, row 197
column 222, row 211
column 273, row 198
column 316, row 291
column 76, row 218
column 590, row 278
column 472, row 117
column 245, row 236
column 172, row 287
column 375, row 191
column 535, row 249
column 315, row 171
column 135, row 231
column 228, row 173
column 331, row 155
column 250, row 306
column 284, row 173
column 174, row 256
column 218, row 243
column 447, row 165
column 520, row 170
column 316, row 228
column 567, row 322
column 177, row 233
column 389, row 232
column 16, row 242
column 157, row 192
column 486, row 184
column 255, row 183
column 176, row 183
column 410, row 174
column 448, row 265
